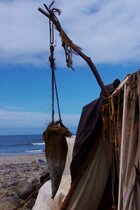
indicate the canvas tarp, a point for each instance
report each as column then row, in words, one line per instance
column 90, row 188
column 44, row 200
column 129, row 192
column 89, row 127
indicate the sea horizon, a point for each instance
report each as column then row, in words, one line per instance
column 20, row 144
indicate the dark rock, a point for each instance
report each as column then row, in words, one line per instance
column 24, row 189
column 34, row 181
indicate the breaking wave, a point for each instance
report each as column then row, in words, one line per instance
column 38, row 144
column 38, row 151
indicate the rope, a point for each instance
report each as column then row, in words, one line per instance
column 52, row 65
column 57, row 98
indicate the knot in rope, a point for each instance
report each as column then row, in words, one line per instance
column 51, row 58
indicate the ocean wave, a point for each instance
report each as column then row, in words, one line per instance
column 36, row 144
column 22, row 144
column 38, row 151
column 13, row 145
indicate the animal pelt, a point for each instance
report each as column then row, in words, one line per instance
column 56, row 152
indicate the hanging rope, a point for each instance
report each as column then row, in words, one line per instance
column 57, row 98
column 52, row 65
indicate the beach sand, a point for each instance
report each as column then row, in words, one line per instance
column 20, row 159
column 13, row 169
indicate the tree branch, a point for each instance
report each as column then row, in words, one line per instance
column 67, row 42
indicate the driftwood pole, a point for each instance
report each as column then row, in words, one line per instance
column 66, row 41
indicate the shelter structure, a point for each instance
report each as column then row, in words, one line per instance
column 106, row 158
column 105, row 168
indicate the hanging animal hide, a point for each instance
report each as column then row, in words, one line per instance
column 56, row 152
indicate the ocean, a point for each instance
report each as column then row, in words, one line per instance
column 21, row 144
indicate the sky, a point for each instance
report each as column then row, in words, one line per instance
column 108, row 32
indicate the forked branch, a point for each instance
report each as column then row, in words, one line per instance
column 68, row 44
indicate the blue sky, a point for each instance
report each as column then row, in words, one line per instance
column 107, row 31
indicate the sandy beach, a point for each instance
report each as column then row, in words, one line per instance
column 14, row 169
column 20, row 159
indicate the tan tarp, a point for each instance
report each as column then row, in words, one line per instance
column 44, row 200
column 90, row 188
column 129, row 189
column 70, row 142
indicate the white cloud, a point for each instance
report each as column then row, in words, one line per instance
column 18, row 119
column 107, row 30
